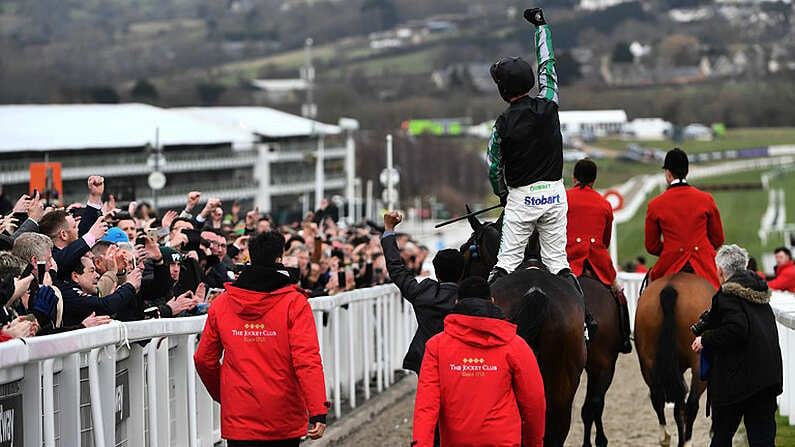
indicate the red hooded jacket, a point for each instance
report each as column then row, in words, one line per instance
column 271, row 379
column 785, row 278
column 683, row 225
column 589, row 227
column 481, row 382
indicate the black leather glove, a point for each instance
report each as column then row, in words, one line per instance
column 504, row 198
column 535, row 16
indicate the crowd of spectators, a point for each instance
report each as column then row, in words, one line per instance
column 85, row 264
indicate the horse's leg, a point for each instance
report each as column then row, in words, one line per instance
column 658, row 402
column 679, row 417
column 691, row 407
column 603, row 384
column 588, row 410
column 558, row 422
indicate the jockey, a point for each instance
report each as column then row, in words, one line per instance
column 683, row 225
column 590, row 224
column 526, row 154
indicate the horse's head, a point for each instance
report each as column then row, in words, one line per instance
column 480, row 250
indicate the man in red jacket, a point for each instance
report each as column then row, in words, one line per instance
column 271, row 379
column 479, row 380
column 785, row 271
column 590, row 226
column 683, row 225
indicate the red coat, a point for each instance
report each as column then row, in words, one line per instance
column 590, row 223
column 785, row 278
column 689, row 222
column 271, row 379
column 481, row 382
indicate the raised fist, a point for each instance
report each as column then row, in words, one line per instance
column 535, row 16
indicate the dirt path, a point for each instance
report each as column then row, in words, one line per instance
column 629, row 418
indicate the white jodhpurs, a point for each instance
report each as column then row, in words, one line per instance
column 541, row 206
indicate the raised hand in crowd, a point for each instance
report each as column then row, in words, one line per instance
column 209, row 207
column 200, row 295
column 134, row 278
column 99, row 229
column 391, row 220
column 9, row 224
column 96, row 320
column 96, row 187
column 251, row 218
column 36, row 209
column 168, row 219
column 22, row 204
column 193, row 200
column 21, row 286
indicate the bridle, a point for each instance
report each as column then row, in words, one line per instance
column 472, row 249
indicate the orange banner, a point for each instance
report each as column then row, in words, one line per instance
column 46, row 178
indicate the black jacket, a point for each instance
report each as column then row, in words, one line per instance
column 530, row 143
column 743, row 340
column 77, row 304
column 431, row 301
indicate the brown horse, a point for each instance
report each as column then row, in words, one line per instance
column 602, row 354
column 666, row 310
column 550, row 316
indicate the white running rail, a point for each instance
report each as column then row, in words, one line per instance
column 134, row 384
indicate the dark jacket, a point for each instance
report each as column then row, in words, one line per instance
column 271, row 378
column 743, row 340
column 431, row 300
column 77, row 304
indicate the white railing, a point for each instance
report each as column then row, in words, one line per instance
column 134, row 384
column 631, row 282
column 783, row 305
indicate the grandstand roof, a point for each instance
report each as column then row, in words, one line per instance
column 50, row 127
column 269, row 123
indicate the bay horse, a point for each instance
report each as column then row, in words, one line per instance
column 603, row 352
column 550, row 316
column 666, row 310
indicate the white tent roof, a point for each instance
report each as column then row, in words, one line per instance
column 99, row 126
column 263, row 121
column 593, row 116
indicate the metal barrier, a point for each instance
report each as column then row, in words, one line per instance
column 134, row 384
column 783, row 305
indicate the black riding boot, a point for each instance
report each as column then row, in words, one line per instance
column 590, row 322
column 623, row 320
column 496, row 273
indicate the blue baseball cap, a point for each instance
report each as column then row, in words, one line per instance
column 116, row 235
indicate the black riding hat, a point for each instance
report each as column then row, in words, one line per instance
column 513, row 76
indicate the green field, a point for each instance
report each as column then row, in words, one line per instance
column 734, row 139
column 785, row 434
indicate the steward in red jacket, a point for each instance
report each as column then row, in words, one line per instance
column 589, row 228
column 590, row 225
column 271, row 380
column 785, row 271
column 479, row 380
column 688, row 222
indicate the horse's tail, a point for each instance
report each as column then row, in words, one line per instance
column 666, row 379
column 532, row 315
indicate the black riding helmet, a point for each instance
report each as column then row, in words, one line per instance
column 513, row 76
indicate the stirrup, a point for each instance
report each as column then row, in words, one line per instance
column 496, row 273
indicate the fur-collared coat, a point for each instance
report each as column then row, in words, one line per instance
column 743, row 339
